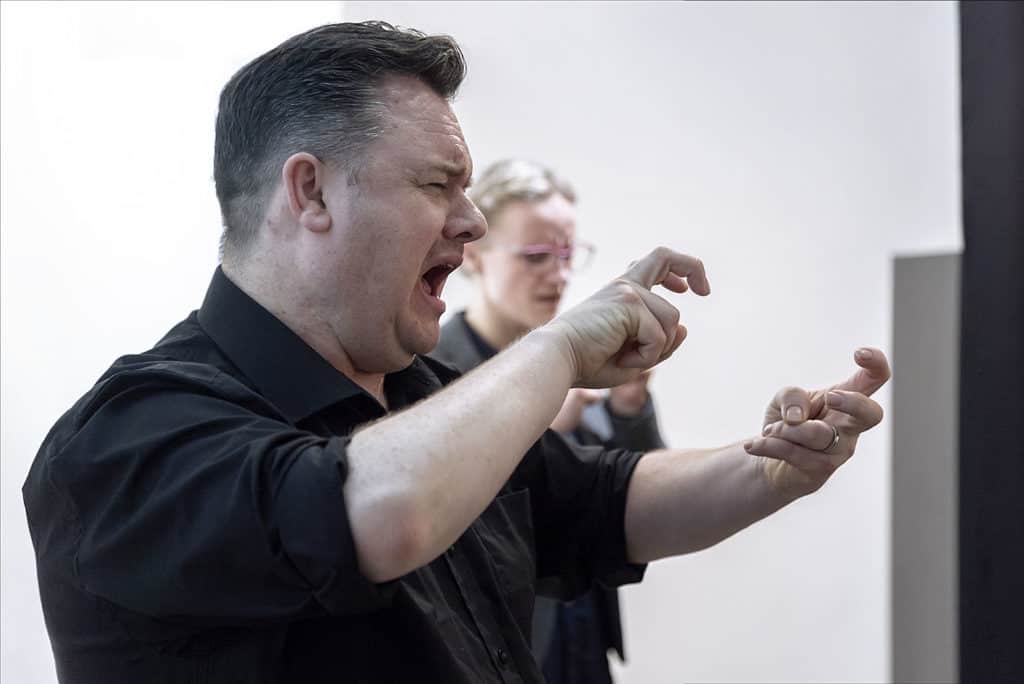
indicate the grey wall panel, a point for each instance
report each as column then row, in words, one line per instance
column 924, row 418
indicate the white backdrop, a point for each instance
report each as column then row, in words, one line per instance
column 793, row 147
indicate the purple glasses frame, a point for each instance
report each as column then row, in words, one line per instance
column 575, row 257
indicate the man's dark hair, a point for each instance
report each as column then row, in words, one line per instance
column 317, row 92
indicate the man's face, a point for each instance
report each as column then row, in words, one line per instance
column 521, row 286
column 397, row 232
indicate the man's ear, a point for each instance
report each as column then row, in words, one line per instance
column 303, row 178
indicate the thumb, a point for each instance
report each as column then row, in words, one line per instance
column 795, row 405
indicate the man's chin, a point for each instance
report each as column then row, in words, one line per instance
column 423, row 340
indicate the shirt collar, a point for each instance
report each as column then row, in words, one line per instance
column 479, row 345
column 285, row 369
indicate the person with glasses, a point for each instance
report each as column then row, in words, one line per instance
column 520, row 270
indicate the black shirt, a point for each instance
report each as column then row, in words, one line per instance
column 569, row 639
column 190, row 526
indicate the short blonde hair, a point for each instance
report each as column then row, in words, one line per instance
column 516, row 179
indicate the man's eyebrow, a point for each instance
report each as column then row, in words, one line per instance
column 455, row 169
column 451, row 168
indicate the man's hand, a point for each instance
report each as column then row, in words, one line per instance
column 807, row 436
column 624, row 328
column 571, row 413
column 628, row 400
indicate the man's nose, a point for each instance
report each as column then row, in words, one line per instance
column 465, row 222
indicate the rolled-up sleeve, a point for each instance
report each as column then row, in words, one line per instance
column 197, row 502
column 578, row 498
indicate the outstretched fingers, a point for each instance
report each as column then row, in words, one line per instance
column 861, row 412
column 874, row 372
column 671, row 269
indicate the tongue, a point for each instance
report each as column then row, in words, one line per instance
column 425, row 286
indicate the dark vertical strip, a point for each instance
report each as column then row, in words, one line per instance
column 992, row 344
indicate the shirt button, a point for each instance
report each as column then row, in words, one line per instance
column 451, row 550
column 502, row 656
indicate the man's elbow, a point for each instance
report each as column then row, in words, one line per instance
column 391, row 538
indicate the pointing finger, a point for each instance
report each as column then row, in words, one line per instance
column 873, row 373
column 666, row 267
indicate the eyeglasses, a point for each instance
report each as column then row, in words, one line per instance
column 574, row 258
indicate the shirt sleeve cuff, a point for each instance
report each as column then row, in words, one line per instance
column 614, row 569
column 325, row 553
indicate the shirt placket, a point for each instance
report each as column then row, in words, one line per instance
column 481, row 614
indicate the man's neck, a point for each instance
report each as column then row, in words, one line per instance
column 373, row 383
column 327, row 345
column 494, row 330
column 322, row 340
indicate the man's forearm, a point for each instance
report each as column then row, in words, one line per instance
column 419, row 478
column 681, row 501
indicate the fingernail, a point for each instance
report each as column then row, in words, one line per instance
column 835, row 399
column 767, row 429
column 794, row 414
column 864, row 354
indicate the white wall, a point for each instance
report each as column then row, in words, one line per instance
column 793, row 147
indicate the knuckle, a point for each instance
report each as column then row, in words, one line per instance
column 658, row 339
column 792, row 393
column 621, row 284
column 632, row 299
column 621, row 287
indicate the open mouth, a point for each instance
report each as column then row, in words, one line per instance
column 432, row 282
